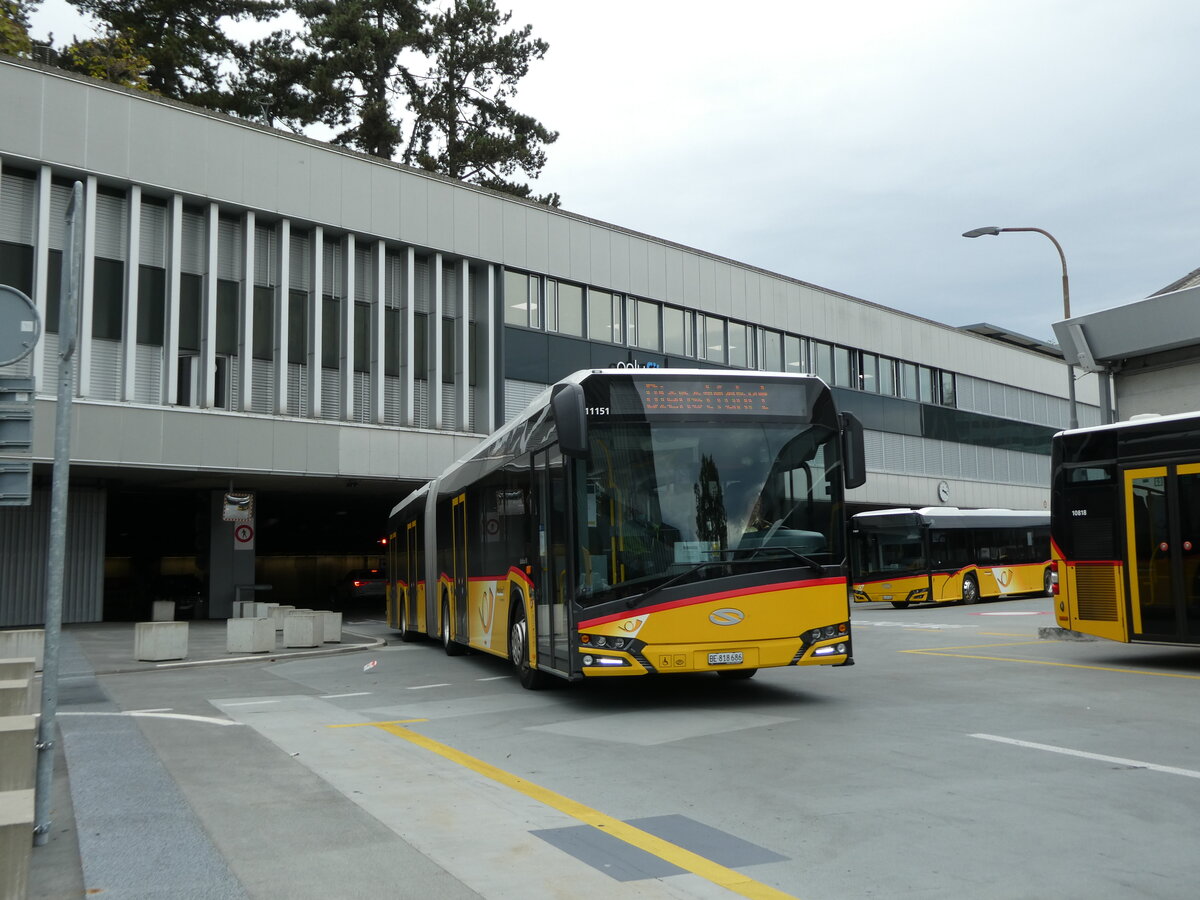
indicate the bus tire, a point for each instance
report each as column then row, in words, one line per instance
column 737, row 674
column 451, row 646
column 970, row 590
column 900, row 604
column 518, row 650
column 408, row 635
column 1048, row 581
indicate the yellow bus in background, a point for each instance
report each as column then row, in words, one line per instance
column 942, row 554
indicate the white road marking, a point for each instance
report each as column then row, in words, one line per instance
column 354, row 694
column 1099, row 757
column 421, row 687
column 207, row 720
column 251, row 702
column 494, row 678
column 1028, row 613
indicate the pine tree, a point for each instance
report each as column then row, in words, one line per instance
column 466, row 126
column 355, row 71
column 182, row 39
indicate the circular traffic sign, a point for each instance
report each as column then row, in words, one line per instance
column 243, row 534
column 20, row 325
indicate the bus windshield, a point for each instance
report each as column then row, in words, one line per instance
column 662, row 499
column 888, row 550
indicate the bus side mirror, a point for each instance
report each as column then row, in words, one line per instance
column 570, row 419
column 854, row 454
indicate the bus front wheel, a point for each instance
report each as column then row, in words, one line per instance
column 970, row 589
column 451, row 646
column 900, row 604
column 518, row 651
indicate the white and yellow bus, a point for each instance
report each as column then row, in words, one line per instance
column 638, row 521
column 942, row 554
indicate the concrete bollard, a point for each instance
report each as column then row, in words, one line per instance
column 17, row 668
column 249, row 636
column 331, row 626
column 16, row 848
column 20, row 643
column 279, row 613
column 18, row 753
column 16, row 697
column 160, row 640
column 300, row 630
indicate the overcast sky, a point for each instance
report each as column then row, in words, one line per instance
column 850, row 144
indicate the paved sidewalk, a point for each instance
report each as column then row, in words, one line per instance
column 93, row 803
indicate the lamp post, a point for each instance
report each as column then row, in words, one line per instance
column 992, row 230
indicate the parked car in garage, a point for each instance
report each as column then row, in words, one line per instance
column 359, row 587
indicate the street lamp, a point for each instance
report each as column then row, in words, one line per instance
column 992, row 230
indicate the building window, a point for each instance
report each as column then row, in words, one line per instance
column 191, row 288
column 227, row 317
column 908, row 381
column 793, row 355
column 520, row 301
column 646, row 332
column 674, row 335
column 331, row 332
column 421, row 345
column 391, row 342
column 264, row 322
column 152, row 291
column 604, row 322
column 108, row 299
column 772, row 351
column 739, row 345
column 570, row 309
column 714, row 338
column 887, row 376
column 362, row 337
column 822, row 360
column 549, row 300
column 841, row 368
column 868, row 372
column 949, row 397
column 926, row 384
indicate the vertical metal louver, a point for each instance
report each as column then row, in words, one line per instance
column 17, row 209
column 153, row 235
column 111, row 230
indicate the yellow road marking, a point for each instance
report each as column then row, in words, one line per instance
column 730, row 879
column 1041, row 662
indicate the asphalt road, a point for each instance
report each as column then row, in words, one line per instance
column 961, row 757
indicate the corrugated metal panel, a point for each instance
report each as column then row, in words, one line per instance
column 111, row 236
column 147, row 386
column 393, row 278
column 449, row 291
column 17, row 209
column 24, row 545
column 106, row 370
column 391, row 400
column 518, row 395
column 423, row 301
column 153, row 235
column 364, row 278
column 362, row 397
column 193, row 243
column 331, row 394
column 332, row 250
column 266, row 263
column 449, row 407
column 262, row 390
column 229, row 249
column 421, row 403
column 297, row 388
column 299, row 276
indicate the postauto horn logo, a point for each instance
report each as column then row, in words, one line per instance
column 727, row 616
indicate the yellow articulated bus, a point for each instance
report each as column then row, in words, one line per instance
column 1125, row 529
column 637, row 521
column 942, row 554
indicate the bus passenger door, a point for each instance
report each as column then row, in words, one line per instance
column 413, row 575
column 1162, row 524
column 458, row 518
column 554, row 585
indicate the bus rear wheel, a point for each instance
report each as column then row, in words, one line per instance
column 970, row 590
column 1048, row 581
column 737, row 674
column 518, row 651
column 451, row 646
column 408, row 635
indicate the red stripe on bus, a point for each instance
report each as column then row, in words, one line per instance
column 710, row 598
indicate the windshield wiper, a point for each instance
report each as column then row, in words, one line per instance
column 754, row 551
